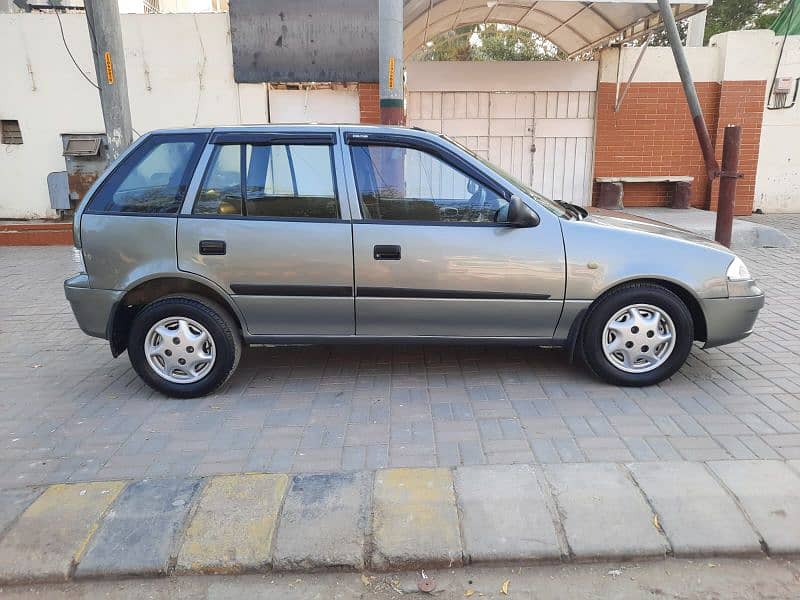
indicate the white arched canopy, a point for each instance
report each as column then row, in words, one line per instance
column 575, row 27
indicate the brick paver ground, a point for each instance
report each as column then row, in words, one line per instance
column 71, row 413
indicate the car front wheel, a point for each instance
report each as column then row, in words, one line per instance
column 184, row 347
column 638, row 334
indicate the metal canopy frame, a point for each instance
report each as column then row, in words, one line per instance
column 576, row 27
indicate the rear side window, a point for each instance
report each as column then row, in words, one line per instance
column 289, row 180
column 153, row 179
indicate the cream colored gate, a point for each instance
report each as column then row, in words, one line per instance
column 518, row 118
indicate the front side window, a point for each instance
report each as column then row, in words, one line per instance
column 153, row 179
column 406, row 184
column 293, row 180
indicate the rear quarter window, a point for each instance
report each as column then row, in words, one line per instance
column 153, row 178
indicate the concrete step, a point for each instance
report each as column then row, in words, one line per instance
column 35, row 233
column 745, row 234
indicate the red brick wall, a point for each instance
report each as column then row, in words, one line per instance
column 742, row 103
column 652, row 134
column 369, row 103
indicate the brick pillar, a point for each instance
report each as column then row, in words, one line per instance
column 368, row 102
column 741, row 103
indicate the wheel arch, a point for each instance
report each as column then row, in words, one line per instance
column 151, row 289
column 686, row 296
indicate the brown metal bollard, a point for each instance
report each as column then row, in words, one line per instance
column 727, row 184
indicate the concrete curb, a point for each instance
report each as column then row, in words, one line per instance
column 397, row 519
column 745, row 234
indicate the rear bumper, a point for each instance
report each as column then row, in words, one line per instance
column 730, row 319
column 92, row 308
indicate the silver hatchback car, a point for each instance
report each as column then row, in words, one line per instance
column 198, row 241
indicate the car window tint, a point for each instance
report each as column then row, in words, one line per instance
column 292, row 180
column 406, row 184
column 221, row 192
column 153, row 178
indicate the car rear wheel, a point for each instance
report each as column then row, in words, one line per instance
column 184, row 347
column 638, row 334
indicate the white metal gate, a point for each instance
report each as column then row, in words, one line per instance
column 544, row 138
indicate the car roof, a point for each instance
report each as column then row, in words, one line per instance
column 294, row 126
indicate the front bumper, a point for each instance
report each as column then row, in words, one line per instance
column 730, row 319
column 92, row 308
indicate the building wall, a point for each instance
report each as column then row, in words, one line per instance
column 339, row 104
column 777, row 186
column 653, row 134
column 170, row 84
column 369, row 103
column 741, row 103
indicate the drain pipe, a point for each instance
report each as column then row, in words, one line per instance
column 689, row 90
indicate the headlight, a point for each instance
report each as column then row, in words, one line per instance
column 737, row 271
column 77, row 258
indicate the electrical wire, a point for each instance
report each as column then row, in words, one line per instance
column 66, row 47
column 75, row 62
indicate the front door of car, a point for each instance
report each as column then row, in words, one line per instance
column 433, row 255
column 266, row 224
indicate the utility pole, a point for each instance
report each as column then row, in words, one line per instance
column 390, row 57
column 731, row 144
column 109, row 64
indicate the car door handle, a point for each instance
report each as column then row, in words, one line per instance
column 213, row 247
column 386, row 252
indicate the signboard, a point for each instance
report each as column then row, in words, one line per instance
column 304, row 40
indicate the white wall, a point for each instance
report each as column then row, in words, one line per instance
column 731, row 56
column 778, row 175
column 180, row 74
column 322, row 106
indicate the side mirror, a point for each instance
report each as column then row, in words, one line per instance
column 520, row 215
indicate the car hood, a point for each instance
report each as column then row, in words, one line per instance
column 623, row 220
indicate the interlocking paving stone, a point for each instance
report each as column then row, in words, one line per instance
column 138, row 536
column 769, row 492
column 54, row 531
column 73, row 413
column 603, row 513
column 232, row 528
column 504, row 515
column 698, row 516
column 323, row 522
column 415, row 520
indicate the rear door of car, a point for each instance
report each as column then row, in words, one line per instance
column 268, row 222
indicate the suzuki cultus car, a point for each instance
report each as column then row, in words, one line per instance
column 196, row 242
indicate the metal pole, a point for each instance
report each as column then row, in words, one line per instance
column 621, row 98
column 390, row 57
column 688, row 89
column 727, row 184
column 109, row 63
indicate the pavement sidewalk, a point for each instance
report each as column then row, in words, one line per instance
column 399, row 519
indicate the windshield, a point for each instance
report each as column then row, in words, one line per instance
column 551, row 205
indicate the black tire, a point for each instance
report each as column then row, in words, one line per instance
column 220, row 326
column 617, row 299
